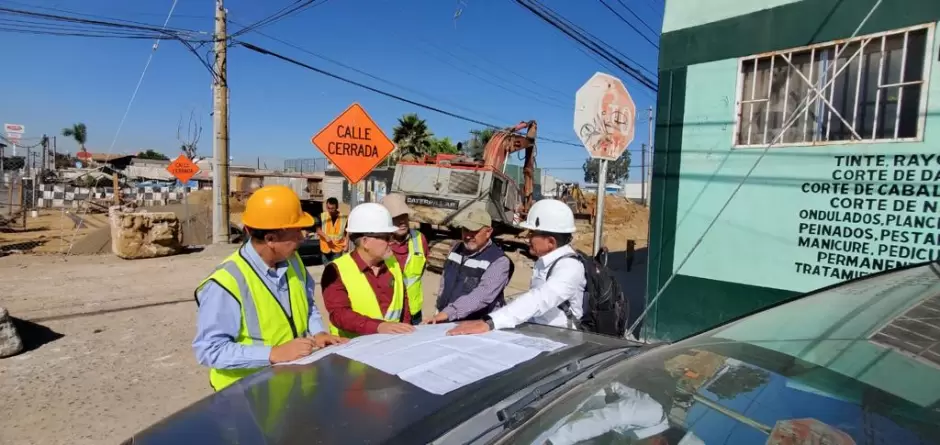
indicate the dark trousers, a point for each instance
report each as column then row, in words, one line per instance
column 416, row 318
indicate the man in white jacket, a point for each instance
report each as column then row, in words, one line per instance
column 551, row 226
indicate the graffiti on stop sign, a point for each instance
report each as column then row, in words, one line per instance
column 606, row 133
column 604, row 116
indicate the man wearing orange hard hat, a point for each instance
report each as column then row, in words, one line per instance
column 257, row 307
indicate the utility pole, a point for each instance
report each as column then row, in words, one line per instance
column 55, row 156
column 648, row 178
column 220, row 153
column 643, row 173
column 45, row 149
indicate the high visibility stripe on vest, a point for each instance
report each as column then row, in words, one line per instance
column 263, row 320
column 334, row 230
column 414, row 270
column 361, row 296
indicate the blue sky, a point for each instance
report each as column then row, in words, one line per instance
column 496, row 63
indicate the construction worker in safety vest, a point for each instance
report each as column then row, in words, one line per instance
column 410, row 248
column 257, row 307
column 364, row 290
column 331, row 230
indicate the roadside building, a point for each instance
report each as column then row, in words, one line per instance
column 849, row 183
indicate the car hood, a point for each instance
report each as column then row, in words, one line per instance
column 339, row 401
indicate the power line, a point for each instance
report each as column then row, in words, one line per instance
column 386, row 81
column 367, row 74
column 264, row 51
column 643, row 22
column 165, row 32
column 473, row 73
column 591, row 38
column 579, row 37
column 622, row 19
column 140, row 80
column 507, row 68
column 293, row 8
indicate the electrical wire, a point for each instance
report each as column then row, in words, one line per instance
column 643, row 22
column 294, row 8
column 624, row 20
column 164, row 32
column 130, row 103
column 534, row 96
column 587, row 34
column 276, row 55
column 397, row 85
column 367, row 74
column 804, row 104
column 583, row 38
column 140, row 80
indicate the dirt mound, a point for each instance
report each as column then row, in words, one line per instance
column 623, row 220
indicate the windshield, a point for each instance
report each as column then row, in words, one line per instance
column 857, row 363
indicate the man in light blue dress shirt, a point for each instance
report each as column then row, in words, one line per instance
column 239, row 329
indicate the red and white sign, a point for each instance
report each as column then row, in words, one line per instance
column 604, row 116
column 14, row 128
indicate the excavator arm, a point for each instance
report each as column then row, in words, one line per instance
column 508, row 141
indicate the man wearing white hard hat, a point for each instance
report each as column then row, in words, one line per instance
column 410, row 247
column 551, row 227
column 364, row 290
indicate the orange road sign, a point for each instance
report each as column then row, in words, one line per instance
column 354, row 143
column 183, row 169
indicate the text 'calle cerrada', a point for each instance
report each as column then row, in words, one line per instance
column 355, row 142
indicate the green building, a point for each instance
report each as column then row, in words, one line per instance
column 797, row 146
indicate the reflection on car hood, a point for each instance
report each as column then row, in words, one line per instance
column 339, row 401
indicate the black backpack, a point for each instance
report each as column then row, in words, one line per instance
column 606, row 310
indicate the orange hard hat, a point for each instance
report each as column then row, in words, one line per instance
column 275, row 207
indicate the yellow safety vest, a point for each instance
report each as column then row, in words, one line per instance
column 334, row 230
column 270, row 400
column 263, row 321
column 414, row 270
column 361, row 296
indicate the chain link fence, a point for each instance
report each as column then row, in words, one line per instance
column 24, row 227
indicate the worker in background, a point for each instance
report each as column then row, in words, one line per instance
column 331, row 231
column 410, row 247
column 364, row 290
column 240, row 328
column 551, row 227
column 476, row 272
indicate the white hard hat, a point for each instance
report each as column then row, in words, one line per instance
column 550, row 215
column 370, row 217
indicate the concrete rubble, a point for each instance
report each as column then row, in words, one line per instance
column 10, row 342
column 136, row 235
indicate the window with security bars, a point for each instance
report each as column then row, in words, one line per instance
column 865, row 89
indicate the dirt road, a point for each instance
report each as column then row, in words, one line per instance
column 123, row 360
column 117, row 335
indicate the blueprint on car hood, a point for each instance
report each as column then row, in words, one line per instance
column 436, row 362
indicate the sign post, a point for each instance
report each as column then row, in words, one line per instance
column 184, row 169
column 604, row 120
column 355, row 144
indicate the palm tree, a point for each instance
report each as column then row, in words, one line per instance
column 77, row 132
column 473, row 148
column 412, row 135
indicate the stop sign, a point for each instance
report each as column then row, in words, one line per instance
column 604, row 116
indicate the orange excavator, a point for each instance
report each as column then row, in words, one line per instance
column 442, row 187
